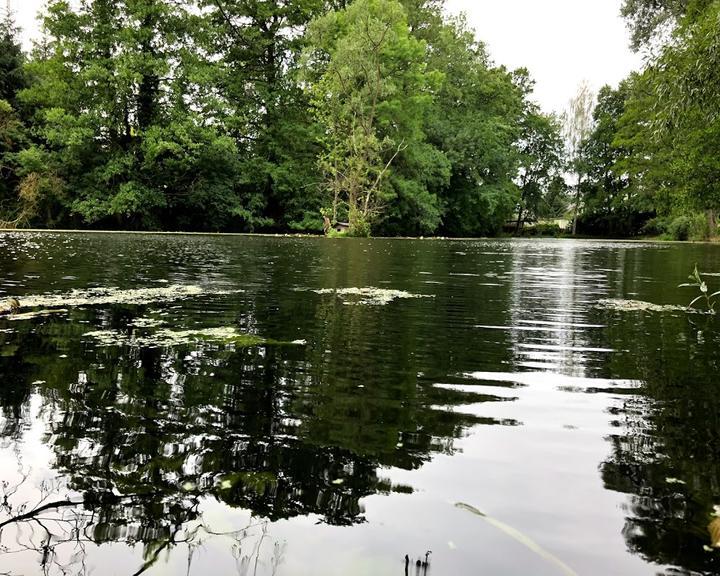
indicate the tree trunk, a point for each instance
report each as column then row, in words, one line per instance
column 518, row 224
column 577, row 206
column 712, row 223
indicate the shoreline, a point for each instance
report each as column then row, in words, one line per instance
column 714, row 241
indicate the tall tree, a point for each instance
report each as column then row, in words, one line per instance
column 258, row 44
column 682, row 101
column 369, row 86
column 650, row 20
column 125, row 122
column 475, row 123
column 541, row 157
column 12, row 59
column 577, row 125
column 12, row 130
column 609, row 206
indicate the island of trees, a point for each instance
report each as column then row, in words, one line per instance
column 388, row 115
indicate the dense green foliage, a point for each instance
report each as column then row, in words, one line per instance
column 252, row 115
column 12, row 132
column 266, row 115
column 654, row 155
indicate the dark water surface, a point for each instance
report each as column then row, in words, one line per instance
column 237, row 420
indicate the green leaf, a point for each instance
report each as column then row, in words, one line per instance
column 694, row 301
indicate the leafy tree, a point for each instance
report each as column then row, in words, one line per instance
column 12, row 59
column 12, row 130
column 578, row 125
column 672, row 119
column 648, row 20
column 612, row 204
column 369, row 87
column 475, row 123
column 258, row 44
column 541, row 161
column 555, row 201
column 240, row 115
column 124, row 120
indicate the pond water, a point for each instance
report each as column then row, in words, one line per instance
column 218, row 405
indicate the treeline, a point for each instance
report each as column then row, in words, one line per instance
column 651, row 164
column 276, row 115
column 257, row 115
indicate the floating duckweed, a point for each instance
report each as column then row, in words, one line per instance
column 370, row 296
column 36, row 314
column 674, row 481
column 637, row 306
column 112, row 295
column 146, row 322
column 167, row 337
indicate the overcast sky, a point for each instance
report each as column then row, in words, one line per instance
column 561, row 42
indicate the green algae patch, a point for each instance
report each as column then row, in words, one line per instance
column 170, row 338
column 113, row 295
column 146, row 322
column 639, row 306
column 369, row 296
column 36, row 314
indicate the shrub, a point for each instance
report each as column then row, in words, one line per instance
column 679, row 228
column 542, row 229
column 623, row 223
column 655, row 227
column 700, row 228
column 689, row 227
column 359, row 226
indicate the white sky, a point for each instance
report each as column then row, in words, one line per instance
column 561, row 42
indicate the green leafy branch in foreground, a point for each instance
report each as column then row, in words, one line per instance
column 696, row 281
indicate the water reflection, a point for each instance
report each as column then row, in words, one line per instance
column 665, row 454
column 141, row 455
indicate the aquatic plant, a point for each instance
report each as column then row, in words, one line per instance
column 169, row 338
column 370, row 296
column 622, row 305
column 696, row 281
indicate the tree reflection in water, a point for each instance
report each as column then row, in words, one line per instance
column 141, row 437
column 58, row 529
column 174, row 450
column 666, row 454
